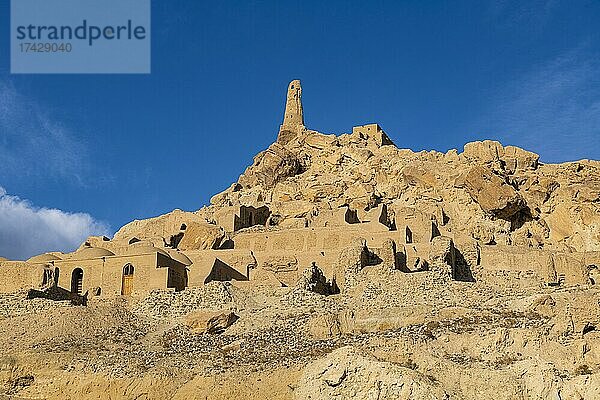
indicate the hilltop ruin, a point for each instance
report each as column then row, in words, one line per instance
column 491, row 213
column 337, row 266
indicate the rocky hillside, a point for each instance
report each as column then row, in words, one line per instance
column 410, row 336
column 391, row 333
column 490, row 193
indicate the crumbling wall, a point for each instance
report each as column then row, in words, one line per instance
column 19, row 275
column 416, row 226
column 570, row 270
column 313, row 279
column 293, row 118
column 286, row 267
column 413, row 257
column 341, row 217
column 203, row 262
column 351, row 261
column 313, row 238
column 374, row 133
column 523, row 266
column 250, row 216
column 386, row 254
column 223, row 272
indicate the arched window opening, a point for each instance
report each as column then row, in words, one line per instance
column 77, row 281
column 409, row 236
column 593, row 274
column 128, row 269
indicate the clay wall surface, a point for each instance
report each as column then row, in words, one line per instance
column 287, row 267
column 225, row 217
column 107, row 273
column 422, row 227
column 177, row 277
column 527, row 266
column 341, row 217
column 19, row 275
column 373, row 131
column 588, row 258
column 572, row 269
column 314, row 238
column 322, row 245
column 203, row 262
column 411, row 256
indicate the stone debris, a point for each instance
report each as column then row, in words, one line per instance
column 210, row 322
column 164, row 304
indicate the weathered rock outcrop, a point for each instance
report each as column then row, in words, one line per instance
column 492, row 193
column 270, row 167
column 489, row 193
column 345, row 373
column 201, row 236
column 210, row 322
column 163, row 227
column 510, row 158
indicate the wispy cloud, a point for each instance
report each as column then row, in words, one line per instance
column 27, row 230
column 554, row 109
column 32, row 143
column 533, row 14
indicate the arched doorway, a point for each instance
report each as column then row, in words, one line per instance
column 77, row 281
column 127, row 284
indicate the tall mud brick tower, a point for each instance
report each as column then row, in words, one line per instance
column 293, row 119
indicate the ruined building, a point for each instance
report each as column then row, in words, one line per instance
column 349, row 203
column 293, row 117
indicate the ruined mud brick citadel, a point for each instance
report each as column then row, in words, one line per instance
column 325, row 207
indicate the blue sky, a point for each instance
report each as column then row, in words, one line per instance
column 434, row 75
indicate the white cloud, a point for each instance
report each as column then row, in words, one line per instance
column 26, row 230
column 553, row 110
column 32, row 143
